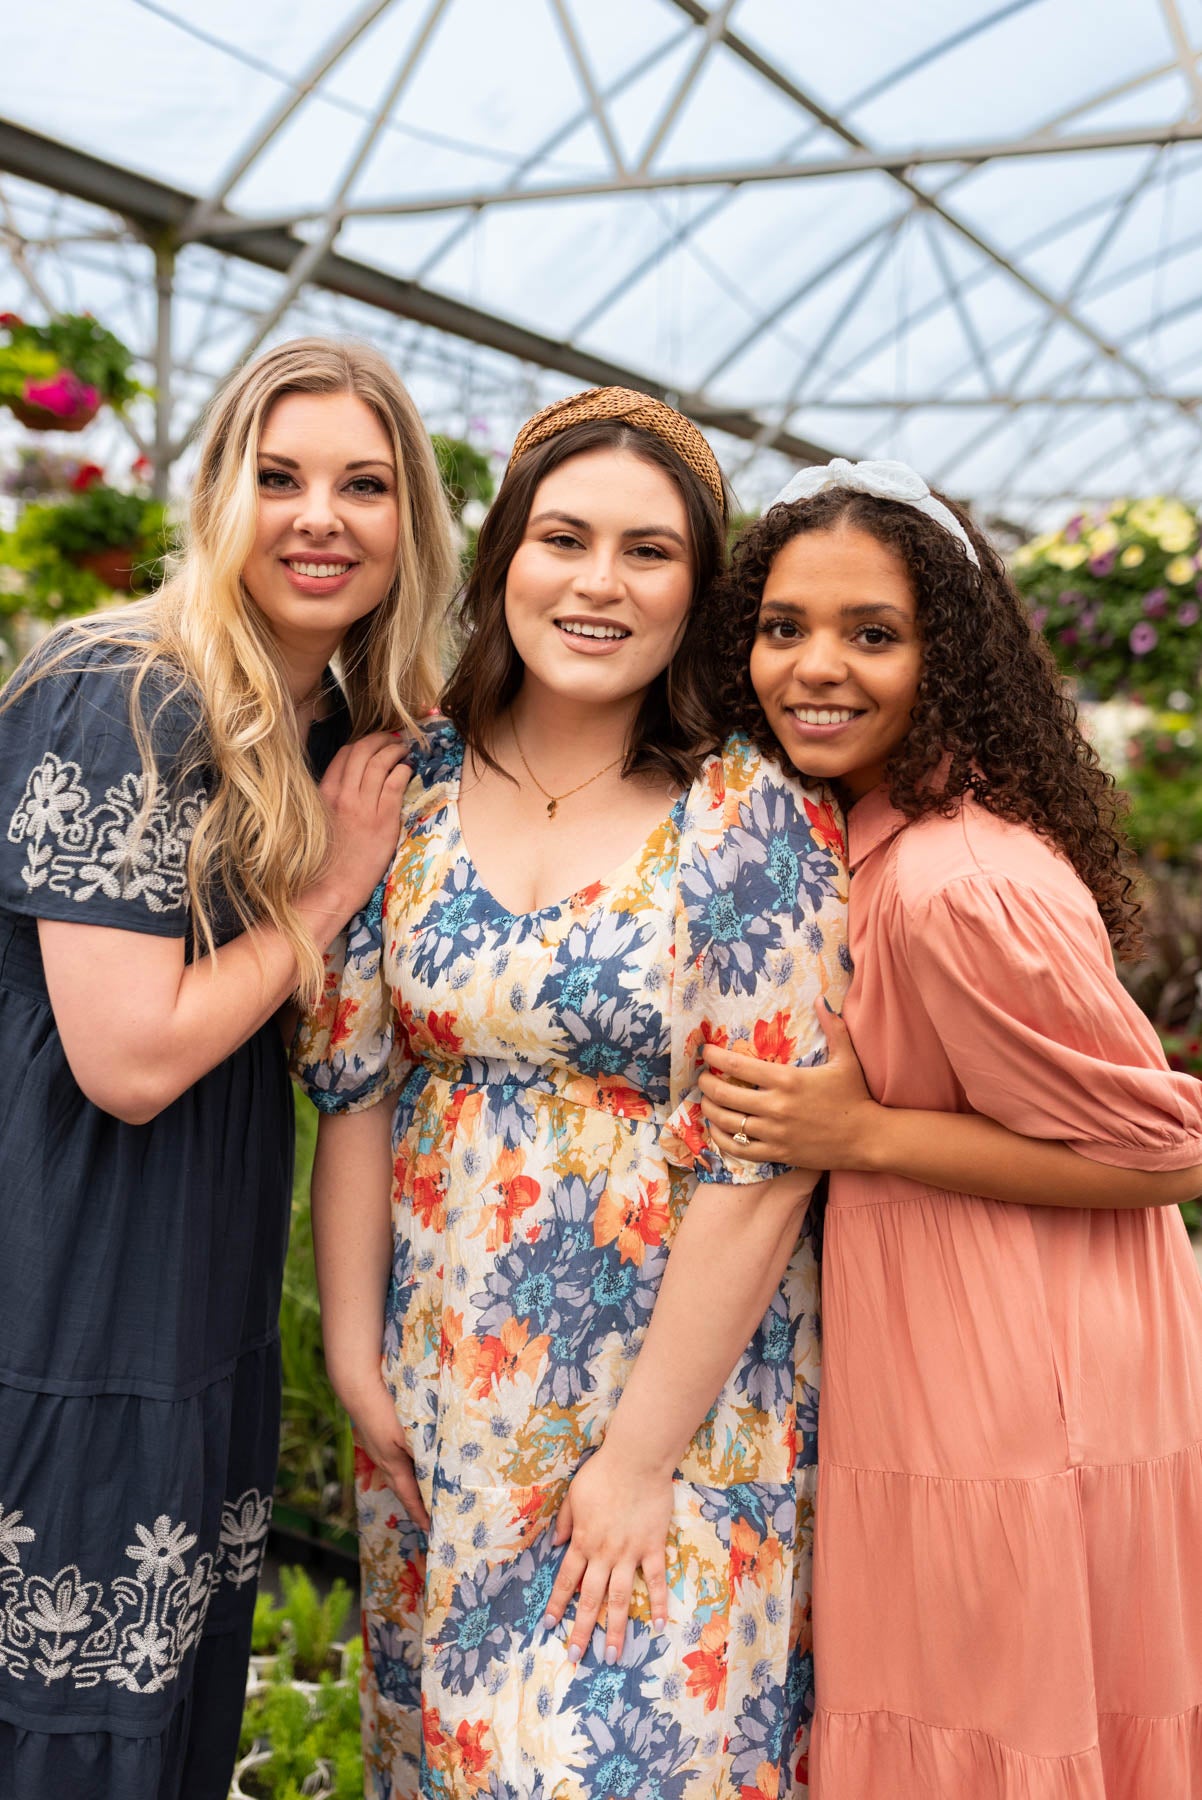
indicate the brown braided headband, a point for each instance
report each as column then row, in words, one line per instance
column 631, row 408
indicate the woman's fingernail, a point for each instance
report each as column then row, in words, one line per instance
column 574, row 1653
column 611, row 1655
column 548, row 1623
column 659, row 1623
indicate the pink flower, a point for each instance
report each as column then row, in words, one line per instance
column 1156, row 604
column 64, row 395
column 1143, row 638
column 1188, row 613
column 1072, row 530
column 1039, row 617
column 1102, row 565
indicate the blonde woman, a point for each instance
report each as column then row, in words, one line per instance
column 170, row 873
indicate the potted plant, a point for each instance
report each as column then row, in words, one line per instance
column 67, row 555
column 300, row 1729
column 57, row 376
column 1118, row 596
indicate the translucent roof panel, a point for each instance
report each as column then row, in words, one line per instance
column 964, row 232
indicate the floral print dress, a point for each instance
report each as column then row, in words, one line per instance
column 547, row 1136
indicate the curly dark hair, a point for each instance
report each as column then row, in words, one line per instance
column 990, row 702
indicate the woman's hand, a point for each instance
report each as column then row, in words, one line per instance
column 815, row 1118
column 614, row 1520
column 362, row 791
column 386, row 1441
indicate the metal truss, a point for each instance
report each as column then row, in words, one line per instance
column 996, row 368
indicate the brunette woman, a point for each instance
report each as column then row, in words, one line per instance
column 170, row 874
column 1008, row 1584
column 582, row 897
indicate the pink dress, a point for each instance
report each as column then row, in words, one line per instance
column 1008, row 1563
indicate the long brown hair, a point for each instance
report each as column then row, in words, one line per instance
column 992, row 717
column 677, row 722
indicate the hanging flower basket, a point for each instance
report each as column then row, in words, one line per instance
column 67, row 555
column 114, row 565
column 57, row 376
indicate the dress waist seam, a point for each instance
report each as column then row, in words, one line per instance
column 133, row 1388
column 1070, row 1469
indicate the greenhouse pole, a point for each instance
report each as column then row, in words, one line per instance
column 164, row 282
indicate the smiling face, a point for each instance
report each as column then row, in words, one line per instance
column 325, row 548
column 837, row 656
column 599, row 588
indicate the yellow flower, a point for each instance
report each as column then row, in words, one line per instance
column 1068, row 556
column 1180, row 570
column 1132, row 556
column 1105, row 537
column 1179, row 537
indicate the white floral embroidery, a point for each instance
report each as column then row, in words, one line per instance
column 135, row 1633
column 13, row 1534
column 79, row 849
column 244, row 1526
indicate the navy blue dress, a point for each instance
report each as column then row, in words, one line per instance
column 140, row 1275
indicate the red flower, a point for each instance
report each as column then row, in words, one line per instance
column 86, row 476
column 141, row 468
column 10, row 321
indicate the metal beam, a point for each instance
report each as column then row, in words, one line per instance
column 969, row 403
column 152, row 205
column 857, row 162
column 715, row 25
column 588, row 85
column 1187, row 57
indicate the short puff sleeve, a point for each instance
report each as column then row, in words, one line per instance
column 350, row 1052
column 75, row 845
column 1019, row 983
column 759, row 935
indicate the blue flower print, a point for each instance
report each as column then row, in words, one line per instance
column 595, row 958
column 764, row 1733
column 400, row 1293
column 727, row 899
column 452, row 926
column 391, row 1658
column 473, row 1633
column 638, row 1755
column 767, row 1370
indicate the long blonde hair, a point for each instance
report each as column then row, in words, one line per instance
column 264, row 837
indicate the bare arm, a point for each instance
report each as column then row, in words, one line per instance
column 352, row 1244
column 825, row 1116
column 140, row 1026
column 726, row 1262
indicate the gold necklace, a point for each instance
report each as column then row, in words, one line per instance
column 554, row 799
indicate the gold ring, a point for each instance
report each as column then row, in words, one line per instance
column 740, row 1136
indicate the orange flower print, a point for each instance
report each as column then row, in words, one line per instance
column 824, row 824
column 411, row 1587
column 441, row 1029
column 691, row 1130
column 504, row 1357
column 707, row 1665
column 428, row 1198
column 632, row 1221
column 344, row 1017
column 517, row 1192
column 752, row 1557
column 771, row 1039
column 767, row 1784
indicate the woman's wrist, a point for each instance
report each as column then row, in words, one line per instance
column 356, row 1383
column 637, row 1456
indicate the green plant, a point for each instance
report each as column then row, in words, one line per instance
column 312, row 1624
column 317, row 1453
column 304, row 1731
column 267, row 1631
column 1163, row 780
column 39, row 568
column 1119, row 597
column 72, row 343
column 466, row 472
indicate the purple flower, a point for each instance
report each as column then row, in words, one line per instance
column 1143, row 638
column 1156, row 604
column 1189, row 612
column 1072, row 530
column 1069, row 636
column 1102, row 565
column 1070, row 598
column 1039, row 617
column 1089, row 618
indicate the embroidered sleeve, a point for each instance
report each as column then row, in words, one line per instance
column 79, row 842
column 760, row 935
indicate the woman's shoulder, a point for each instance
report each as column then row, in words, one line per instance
column 435, row 755
column 743, row 786
column 83, row 679
column 964, row 861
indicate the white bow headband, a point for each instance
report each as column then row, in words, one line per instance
column 888, row 481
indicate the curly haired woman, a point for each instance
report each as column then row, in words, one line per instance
column 1008, row 1562
column 170, row 874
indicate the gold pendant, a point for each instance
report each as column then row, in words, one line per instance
column 551, row 805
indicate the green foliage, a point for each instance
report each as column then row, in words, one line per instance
column 466, row 472
column 267, row 1631
column 74, row 341
column 317, row 1453
column 303, row 1732
column 38, row 570
column 1163, row 780
column 1119, row 598
column 312, row 1624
